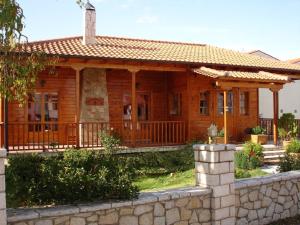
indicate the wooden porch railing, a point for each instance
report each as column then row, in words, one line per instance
column 49, row 136
column 267, row 124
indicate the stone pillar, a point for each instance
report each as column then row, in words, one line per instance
column 2, row 188
column 215, row 169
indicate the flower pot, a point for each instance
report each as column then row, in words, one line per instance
column 285, row 144
column 259, row 139
column 219, row 140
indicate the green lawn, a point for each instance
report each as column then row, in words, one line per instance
column 176, row 180
column 160, row 182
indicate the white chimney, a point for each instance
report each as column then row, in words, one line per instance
column 89, row 35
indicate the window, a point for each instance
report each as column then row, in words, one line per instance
column 244, row 103
column 175, row 104
column 43, row 108
column 127, row 107
column 143, row 101
column 143, row 106
column 204, row 103
column 221, row 102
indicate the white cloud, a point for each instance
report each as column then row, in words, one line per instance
column 147, row 19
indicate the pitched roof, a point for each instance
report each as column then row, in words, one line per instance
column 261, row 75
column 159, row 51
column 293, row 61
column 262, row 54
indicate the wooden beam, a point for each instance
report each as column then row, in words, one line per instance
column 275, row 119
column 248, row 84
column 133, row 107
column 77, row 115
column 123, row 66
column 225, row 109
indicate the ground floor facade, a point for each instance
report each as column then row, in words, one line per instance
column 68, row 108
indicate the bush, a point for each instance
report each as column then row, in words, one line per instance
column 150, row 163
column 69, row 177
column 288, row 127
column 288, row 163
column 250, row 157
column 241, row 173
column 258, row 130
column 293, row 147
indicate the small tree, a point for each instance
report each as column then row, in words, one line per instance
column 19, row 64
column 287, row 126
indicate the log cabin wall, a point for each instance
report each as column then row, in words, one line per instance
column 237, row 123
column 63, row 82
column 148, row 82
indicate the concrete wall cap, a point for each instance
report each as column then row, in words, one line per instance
column 15, row 215
column 3, row 153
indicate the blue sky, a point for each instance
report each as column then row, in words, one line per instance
column 270, row 25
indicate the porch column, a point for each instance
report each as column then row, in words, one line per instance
column 133, row 106
column 275, row 111
column 77, row 115
column 225, row 117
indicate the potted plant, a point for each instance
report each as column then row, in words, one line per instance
column 288, row 128
column 219, row 139
column 258, row 135
column 293, row 148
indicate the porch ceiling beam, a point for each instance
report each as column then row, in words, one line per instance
column 124, row 66
column 224, row 84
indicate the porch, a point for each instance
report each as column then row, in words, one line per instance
column 59, row 136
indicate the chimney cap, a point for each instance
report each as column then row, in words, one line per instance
column 89, row 6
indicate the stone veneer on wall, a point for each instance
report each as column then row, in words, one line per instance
column 180, row 207
column 2, row 188
column 267, row 199
column 94, row 103
column 94, row 87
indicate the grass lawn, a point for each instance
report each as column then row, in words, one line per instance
column 176, row 180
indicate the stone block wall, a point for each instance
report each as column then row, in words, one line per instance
column 267, row 199
column 215, row 170
column 2, row 188
column 179, row 207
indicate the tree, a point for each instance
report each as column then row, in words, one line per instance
column 19, row 65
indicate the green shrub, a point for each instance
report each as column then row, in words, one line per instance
column 221, row 133
column 250, row 157
column 293, row 147
column 241, row 173
column 288, row 127
column 69, row 177
column 288, row 163
column 150, row 163
column 257, row 130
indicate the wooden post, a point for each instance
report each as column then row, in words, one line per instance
column 1, row 123
column 275, row 119
column 225, row 118
column 133, row 107
column 77, row 116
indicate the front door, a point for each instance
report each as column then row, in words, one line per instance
column 43, row 118
column 230, row 112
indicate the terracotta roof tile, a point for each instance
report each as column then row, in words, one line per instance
column 262, row 75
column 162, row 51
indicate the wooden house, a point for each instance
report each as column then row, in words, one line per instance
column 149, row 93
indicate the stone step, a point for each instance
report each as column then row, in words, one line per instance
column 275, row 152
column 273, row 156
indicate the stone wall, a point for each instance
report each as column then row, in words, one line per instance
column 94, row 103
column 180, row 207
column 267, row 199
column 2, row 188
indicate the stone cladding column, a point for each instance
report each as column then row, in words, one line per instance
column 2, row 188
column 214, row 168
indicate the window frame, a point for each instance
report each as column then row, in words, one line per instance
column 246, row 101
column 171, row 104
column 230, row 96
column 207, row 98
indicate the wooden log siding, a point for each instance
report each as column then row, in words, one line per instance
column 161, row 128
